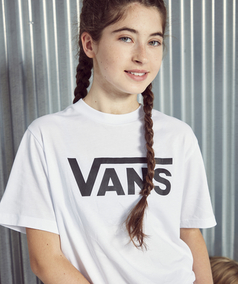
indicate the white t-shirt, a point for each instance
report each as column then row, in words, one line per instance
column 78, row 173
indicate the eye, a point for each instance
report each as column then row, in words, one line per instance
column 154, row 43
column 125, row 39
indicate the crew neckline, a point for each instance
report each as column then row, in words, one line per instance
column 108, row 118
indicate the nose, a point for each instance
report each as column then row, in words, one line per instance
column 140, row 54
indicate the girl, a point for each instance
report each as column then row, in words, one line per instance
column 102, row 196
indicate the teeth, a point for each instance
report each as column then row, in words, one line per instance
column 137, row 74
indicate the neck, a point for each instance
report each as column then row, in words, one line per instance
column 111, row 103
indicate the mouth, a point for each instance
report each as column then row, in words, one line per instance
column 137, row 75
column 140, row 74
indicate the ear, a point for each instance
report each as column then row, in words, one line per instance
column 87, row 43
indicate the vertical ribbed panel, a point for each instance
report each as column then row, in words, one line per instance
column 197, row 83
column 199, row 78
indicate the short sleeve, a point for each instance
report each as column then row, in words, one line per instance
column 27, row 199
column 196, row 211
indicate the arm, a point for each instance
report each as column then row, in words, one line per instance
column 201, row 265
column 47, row 260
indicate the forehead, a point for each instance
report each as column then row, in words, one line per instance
column 141, row 18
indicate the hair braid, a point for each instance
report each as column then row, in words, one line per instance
column 148, row 99
column 134, row 221
column 84, row 71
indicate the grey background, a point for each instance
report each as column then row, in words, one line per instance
column 197, row 83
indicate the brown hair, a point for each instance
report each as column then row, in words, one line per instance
column 224, row 270
column 95, row 16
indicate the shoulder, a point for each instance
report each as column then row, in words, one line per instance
column 51, row 126
column 170, row 124
column 50, row 121
column 173, row 134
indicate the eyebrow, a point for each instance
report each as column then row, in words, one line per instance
column 136, row 32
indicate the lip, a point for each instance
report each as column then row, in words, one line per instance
column 137, row 77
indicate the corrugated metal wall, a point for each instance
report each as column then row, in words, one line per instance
column 197, row 83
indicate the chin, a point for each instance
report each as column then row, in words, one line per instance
column 137, row 90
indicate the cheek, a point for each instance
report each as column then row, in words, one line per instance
column 111, row 62
column 157, row 61
column 105, row 56
column 112, row 59
column 116, row 54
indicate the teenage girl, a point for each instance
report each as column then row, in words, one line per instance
column 108, row 191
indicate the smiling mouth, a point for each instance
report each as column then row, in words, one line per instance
column 140, row 74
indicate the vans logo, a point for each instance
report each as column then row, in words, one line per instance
column 110, row 180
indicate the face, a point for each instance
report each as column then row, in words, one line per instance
column 128, row 56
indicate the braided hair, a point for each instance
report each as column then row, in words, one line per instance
column 134, row 221
column 84, row 72
column 95, row 16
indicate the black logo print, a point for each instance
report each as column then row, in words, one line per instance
column 110, row 174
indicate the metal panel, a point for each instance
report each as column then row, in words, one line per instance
column 197, row 83
column 201, row 89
